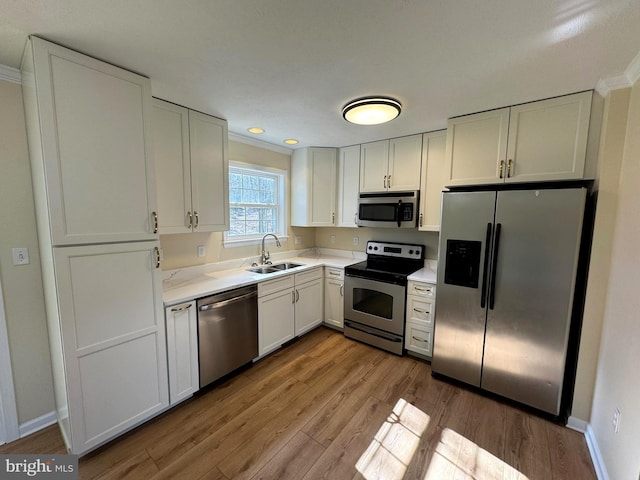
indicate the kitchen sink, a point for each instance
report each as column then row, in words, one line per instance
column 278, row 267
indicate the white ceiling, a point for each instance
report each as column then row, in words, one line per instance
column 289, row 66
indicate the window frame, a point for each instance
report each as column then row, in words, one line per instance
column 281, row 178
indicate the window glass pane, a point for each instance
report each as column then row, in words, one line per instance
column 235, row 195
column 235, row 180
column 267, row 184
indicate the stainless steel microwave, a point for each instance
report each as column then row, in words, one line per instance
column 389, row 209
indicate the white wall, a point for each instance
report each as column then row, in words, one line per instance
column 22, row 285
column 618, row 376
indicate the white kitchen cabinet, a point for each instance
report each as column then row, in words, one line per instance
column 391, row 165
column 334, row 297
column 420, row 314
column 276, row 299
column 182, row 351
column 432, row 180
column 537, row 141
column 192, row 169
column 309, row 300
column 112, row 333
column 313, row 187
column 348, row 179
column 90, row 146
column 94, row 191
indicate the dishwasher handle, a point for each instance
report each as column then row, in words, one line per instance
column 223, row 303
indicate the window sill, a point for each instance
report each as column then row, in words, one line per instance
column 252, row 241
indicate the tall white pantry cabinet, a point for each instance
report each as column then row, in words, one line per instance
column 94, row 188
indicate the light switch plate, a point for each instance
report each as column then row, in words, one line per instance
column 20, row 256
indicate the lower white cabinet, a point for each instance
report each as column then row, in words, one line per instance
column 288, row 306
column 334, row 297
column 182, row 351
column 420, row 314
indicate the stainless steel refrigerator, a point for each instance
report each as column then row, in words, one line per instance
column 506, row 278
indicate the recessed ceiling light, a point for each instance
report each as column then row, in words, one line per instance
column 371, row 110
column 255, row 130
column 291, row 141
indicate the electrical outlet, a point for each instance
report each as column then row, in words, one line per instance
column 20, row 256
column 616, row 420
column 202, row 251
column 333, row 239
column 356, row 240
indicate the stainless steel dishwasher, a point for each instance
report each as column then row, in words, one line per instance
column 227, row 332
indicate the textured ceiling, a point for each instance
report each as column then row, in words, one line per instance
column 289, row 66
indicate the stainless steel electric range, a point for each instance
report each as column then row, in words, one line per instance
column 375, row 293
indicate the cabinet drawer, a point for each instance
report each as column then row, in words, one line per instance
column 308, row 275
column 419, row 339
column 420, row 310
column 335, row 273
column 421, row 289
column 275, row 285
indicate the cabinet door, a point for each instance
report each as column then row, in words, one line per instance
column 95, row 124
column 405, row 158
column 173, row 166
column 334, row 302
column 275, row 320
column 432, row 180
column 309, row 303
column 419, row 339
column 374, row 163
column 476, row 146
column 209, row 173
column 548, row 139
column 113, row 337
column 182, row 351
column 420, row 311
column 323, row 187
column 348, row 179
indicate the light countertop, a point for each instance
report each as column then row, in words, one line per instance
column 428, row 274
column 185, row 284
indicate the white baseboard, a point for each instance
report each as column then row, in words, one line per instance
column 577, row 424
column 32, row 426
column 596, row 456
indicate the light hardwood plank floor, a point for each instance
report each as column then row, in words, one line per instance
column 311, row 410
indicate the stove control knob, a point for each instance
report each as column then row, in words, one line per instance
column 417, row 252
column 370, row 247
column 410, row 252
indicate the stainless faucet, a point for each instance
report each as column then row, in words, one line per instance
column 265, row 254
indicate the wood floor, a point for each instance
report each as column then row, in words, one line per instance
column 311, row 410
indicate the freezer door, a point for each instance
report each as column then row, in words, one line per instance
column 466, row 231
column 528, row 327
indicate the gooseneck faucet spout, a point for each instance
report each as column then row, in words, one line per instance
column 265, row 254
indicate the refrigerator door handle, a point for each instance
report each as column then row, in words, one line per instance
column 485, row 271
column 494, row 266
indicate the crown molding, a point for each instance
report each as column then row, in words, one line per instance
column 626, row 80
column 633, row 70
column 259, row 143
column 10, row 74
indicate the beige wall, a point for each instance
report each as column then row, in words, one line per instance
column 181, row 250
column 618, row 380
column 344, row 238
column 22, row 285
column 610, row 161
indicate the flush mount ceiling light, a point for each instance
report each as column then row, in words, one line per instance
column 291, row 141
column 255, row 130
column 371, row 110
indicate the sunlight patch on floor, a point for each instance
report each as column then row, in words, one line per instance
column 457, row 457
column 392, row 448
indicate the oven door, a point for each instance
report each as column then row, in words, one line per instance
column 376, row 304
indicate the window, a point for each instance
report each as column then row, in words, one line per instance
column 256, row 203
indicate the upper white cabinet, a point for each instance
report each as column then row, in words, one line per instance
column 391, row 165
column 313, row 187
column 192, row 169
column 538, row 141
column 348, row 178
column 93, row 152
column 433, row 180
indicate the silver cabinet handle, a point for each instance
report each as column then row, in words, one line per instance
column 190, row 219
column 509, row 165
column 384, row 182
column 223, row 303
column 342, row 290
column 421, row 219
column 389, row 181
column 293, row 297
column 297, row 296
column 336, row 274
column 182, row 308
column 422, row 289
column 195, row 214
column 418, row 339
column 155, row 222
column 419, row 311
column 501, row 173
column 157, row 252
column 333, row 218
column 355, row 218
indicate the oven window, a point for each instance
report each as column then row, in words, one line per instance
column 385, row 212
column 373, row 302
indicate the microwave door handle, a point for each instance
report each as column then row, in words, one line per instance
column 399, row 212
